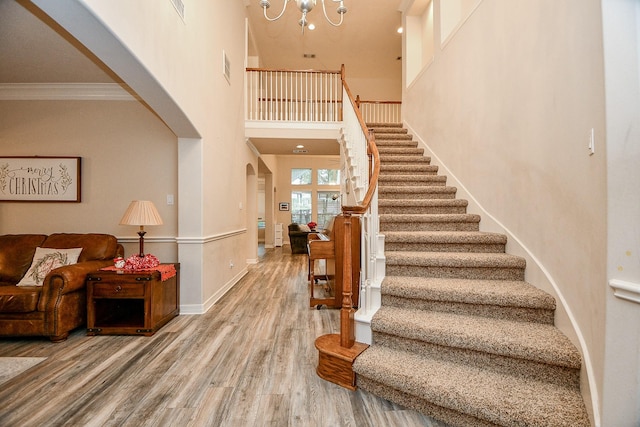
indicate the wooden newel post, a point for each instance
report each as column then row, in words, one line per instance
column 347, row 333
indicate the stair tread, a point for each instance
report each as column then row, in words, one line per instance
column 422, row 202
column 416, row 188
column 385, row 124
column 396, row 143
column 539, row 342
column 455, row 259
column 429, row 218
column 391, row 158
column 417, row 167
column 498, row 398
column 506, row 293
column 444, row 237
column 404, row 178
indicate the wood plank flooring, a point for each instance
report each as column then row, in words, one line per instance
column 249, row 361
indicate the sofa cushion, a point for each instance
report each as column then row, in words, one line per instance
column 94, row 246
column 45, row 260
column 16, row 253
column 19, row 300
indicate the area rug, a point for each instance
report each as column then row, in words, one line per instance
column 13, row 366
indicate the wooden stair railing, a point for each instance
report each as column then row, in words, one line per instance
column 337, row 352
column 380, row 111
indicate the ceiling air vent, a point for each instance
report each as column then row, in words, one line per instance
column 297, row 151
column 179, row 5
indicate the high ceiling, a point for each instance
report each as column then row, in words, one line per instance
column 34, row 49
column 367, row 42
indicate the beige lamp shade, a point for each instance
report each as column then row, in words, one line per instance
column 141, row 212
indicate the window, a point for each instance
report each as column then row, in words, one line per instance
column 328, row 177
column 327, row 206
column 301, row 207
column 300, row 176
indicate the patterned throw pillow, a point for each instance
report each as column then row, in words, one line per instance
column 45, row 260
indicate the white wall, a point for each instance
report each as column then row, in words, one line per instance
column 621, row 391
column 508, row 105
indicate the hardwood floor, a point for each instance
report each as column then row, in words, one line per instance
column 249, row 361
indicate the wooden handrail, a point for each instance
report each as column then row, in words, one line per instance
column 379, row 102
column 296, row 71
column 347, row 312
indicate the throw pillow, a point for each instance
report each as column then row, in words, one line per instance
column 45, row 260
column 304, row 227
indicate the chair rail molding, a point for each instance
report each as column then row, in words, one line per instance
column 626, row 290
column 211, row 238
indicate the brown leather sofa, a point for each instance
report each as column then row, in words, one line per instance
column 298, row 239
column 59, row 305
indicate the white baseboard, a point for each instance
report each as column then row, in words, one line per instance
column 203, row 308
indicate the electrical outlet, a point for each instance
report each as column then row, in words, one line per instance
column 170, row 199
column 230, row 263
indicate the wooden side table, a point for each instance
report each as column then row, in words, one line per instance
column 127, row 302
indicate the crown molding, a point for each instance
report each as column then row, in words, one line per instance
column 64, row 92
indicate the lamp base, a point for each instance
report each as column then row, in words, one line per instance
column 141, row 233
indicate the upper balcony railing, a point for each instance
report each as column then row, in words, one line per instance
column 293, row 95
column 307, row 96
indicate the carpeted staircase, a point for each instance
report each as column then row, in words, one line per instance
column 460, row 336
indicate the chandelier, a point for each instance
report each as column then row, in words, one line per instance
column 305, row 6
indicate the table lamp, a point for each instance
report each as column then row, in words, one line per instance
column 141, row 213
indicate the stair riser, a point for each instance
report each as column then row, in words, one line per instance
column 449, row 416
column 395, row 143
column 462, row 272
column 443, row 247
column 517, row 367
column 421, row 196
column 394, row 136
column 422, row 210
column 408, row 169
column 519, row 314
column 429, row 226
column 400, row 151
column 415, row 182
column 388, row 130
column 404, row 161
column 422, row 179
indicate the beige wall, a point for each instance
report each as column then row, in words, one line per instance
column 176, row 67
column 127, row 153
column 376, row 89
column 508, row 105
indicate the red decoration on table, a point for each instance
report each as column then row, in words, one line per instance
column 312, row 225
column 136, row 262
column 167, row 271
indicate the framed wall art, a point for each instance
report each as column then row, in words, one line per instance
column 40, row 179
